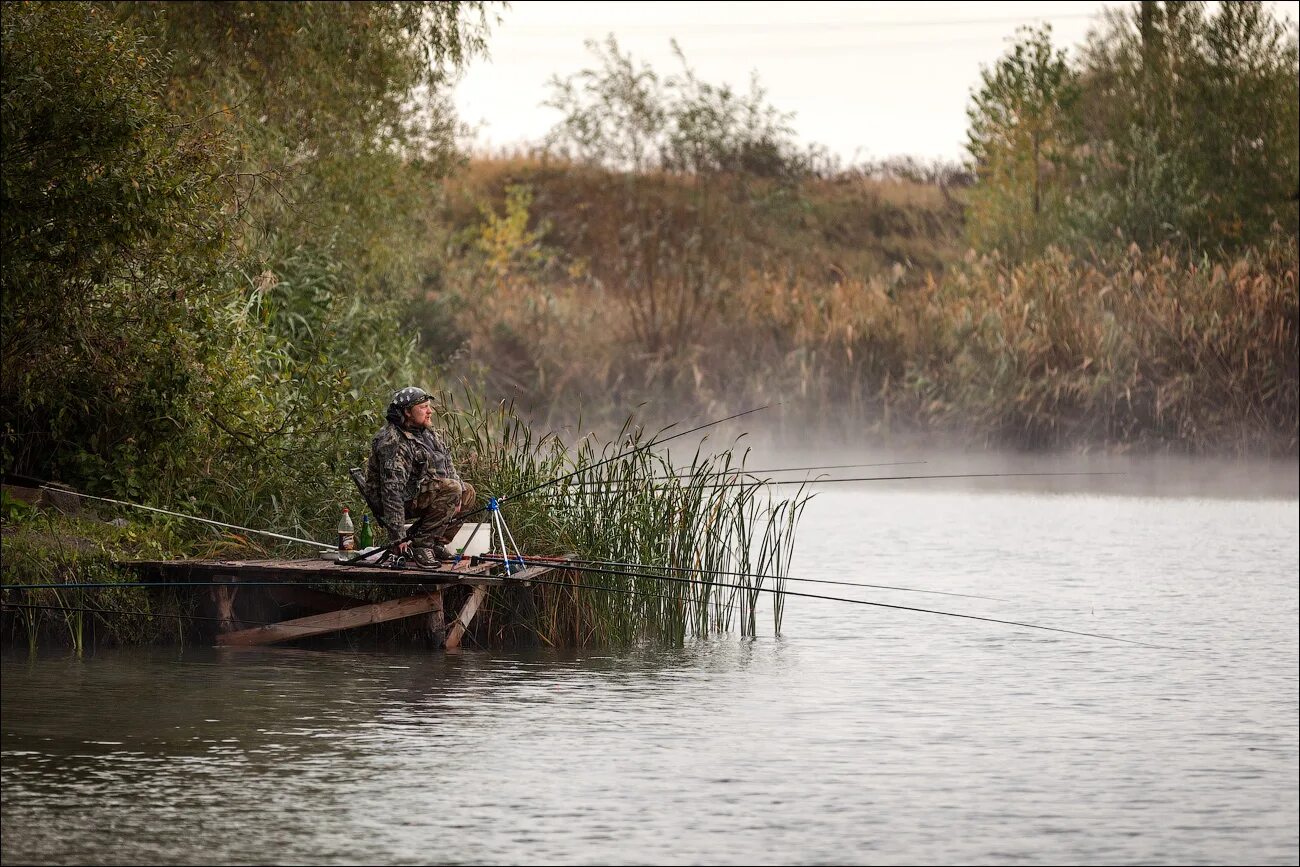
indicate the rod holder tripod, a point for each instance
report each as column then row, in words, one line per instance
column 504, row 537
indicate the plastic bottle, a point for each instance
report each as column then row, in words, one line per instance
column 347, row 534
column 367, row 537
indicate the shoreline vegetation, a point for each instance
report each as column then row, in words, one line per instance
column 232, row 230
column 624, row 504
column 1126, row 350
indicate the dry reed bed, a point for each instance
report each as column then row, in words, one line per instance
column 1142, row 350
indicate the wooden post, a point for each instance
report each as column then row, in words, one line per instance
column 438, row 620
column 463, row 619
column 223, row 597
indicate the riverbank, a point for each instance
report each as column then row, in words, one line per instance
column 855, row 305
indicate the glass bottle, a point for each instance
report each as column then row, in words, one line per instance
column 347, row 534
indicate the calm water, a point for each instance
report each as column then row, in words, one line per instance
column 862, row 735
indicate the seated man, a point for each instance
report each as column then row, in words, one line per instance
column 410, row 477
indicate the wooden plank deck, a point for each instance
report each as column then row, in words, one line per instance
column 314, row 570
column 339, row 612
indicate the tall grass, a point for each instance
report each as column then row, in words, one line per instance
column 44, row 547
column 617, row 507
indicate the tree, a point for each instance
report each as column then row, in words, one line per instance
column 342, row 111
column 197, row 198
column 1190, row 124
column 114, row 237
column 626, row 116
column 1021, row 140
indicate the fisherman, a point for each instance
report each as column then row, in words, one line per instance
column 410, row 477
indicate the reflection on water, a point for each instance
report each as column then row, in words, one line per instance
column 861, row 735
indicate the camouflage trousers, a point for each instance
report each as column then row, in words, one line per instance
column 435, row 507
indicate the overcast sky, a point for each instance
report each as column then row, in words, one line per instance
column 866, row 80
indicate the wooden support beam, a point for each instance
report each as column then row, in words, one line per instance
column 464, row 618
column 471, row 606
column 317, row 624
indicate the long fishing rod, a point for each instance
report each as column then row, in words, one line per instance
column 414, row 581
column 596, row 571
column 651, row 444
column 182, row 515
column 560, row 561
column 687, row 472
column 615, row 484
column 557, row 562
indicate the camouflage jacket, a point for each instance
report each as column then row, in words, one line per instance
column 399, row 459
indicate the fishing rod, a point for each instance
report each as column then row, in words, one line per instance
column 318, row 545
column 560, row 561
column 857, row 602
column 557, row 562
column 628, row 453
column 414, row 581
column 614, row 484
column 59, row 490
column 688, row 472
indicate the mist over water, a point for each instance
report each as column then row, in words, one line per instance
column 860, row 735
column 1160, row 475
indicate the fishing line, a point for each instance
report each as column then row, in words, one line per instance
column 687, row 472
column 862, row 602
column 182, row 515
column 653, row 442
column 558, row 563
column 698, row 571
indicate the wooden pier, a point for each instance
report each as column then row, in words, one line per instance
column 283, row 581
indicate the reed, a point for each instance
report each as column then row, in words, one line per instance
column 629, row 509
